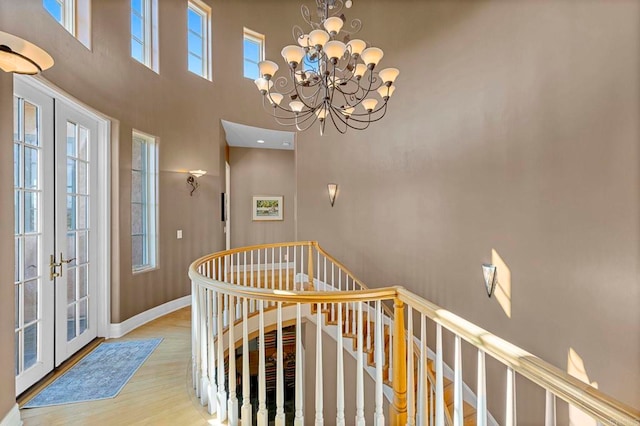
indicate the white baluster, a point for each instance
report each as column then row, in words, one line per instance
column 299, row 415
column 390, row 349
column 204, row 378
column 232, row 404
column 333, row 305
column 360, row 371
column 280, row 419
column 262, row 417
column 195, row 354
column 340, row 420
column 288, row 259
column 222, row 394
column 238, row 305
column 379, row 353
column 213, row 388
column 246, row 374
column 213, row 396
column 550, row 410
column 458, row 414
column 369, row 336
column 422, row 417
column 411, row 395
column 439, row 378
column 295, row 267
column 280, row 269
column 319, row 387
column 253, row 284
column 481, row 392
column 510, row 418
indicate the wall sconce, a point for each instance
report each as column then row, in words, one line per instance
column 490, row 277
column 333, row 191
column 21, row 57
column 192, row 179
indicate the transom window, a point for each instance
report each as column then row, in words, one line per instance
column 144, row 202
column 144, row 32
column 73, row 15
column 62, row 11
column 198, row 38
column 253, row 53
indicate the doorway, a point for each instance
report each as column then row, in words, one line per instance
column 61, row 251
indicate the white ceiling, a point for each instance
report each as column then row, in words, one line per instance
column 247, row 137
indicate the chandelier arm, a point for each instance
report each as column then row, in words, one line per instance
column 331, row 114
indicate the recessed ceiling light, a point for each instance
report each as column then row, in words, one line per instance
column 260, row 141
column 286, row 143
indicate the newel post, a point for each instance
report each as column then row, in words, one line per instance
column 399, row 406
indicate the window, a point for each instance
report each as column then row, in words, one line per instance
column 144, row 202
column 62, row 11
column 73, row 15
column 253, row 53
column 144, row 32
column 198, row 38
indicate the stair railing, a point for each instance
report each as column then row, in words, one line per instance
column 248, row 290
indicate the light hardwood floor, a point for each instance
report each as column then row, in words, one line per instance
column 160, row 393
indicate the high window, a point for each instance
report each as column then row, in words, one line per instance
column 199, row 38
column 253, row 53
column 73, row 15
column 144, row 202
column 144, row 32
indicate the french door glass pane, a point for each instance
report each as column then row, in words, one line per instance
column 30, row 301
column 30, row 345
column 31, row 124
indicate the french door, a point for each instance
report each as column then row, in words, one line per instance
column 55, row 218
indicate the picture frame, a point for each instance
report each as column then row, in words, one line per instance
column 267, row 208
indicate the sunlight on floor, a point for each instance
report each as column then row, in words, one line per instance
column 576, row 368
column 503, row 287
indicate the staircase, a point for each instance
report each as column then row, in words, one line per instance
column 251, row 290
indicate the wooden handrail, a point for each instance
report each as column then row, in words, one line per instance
column 581, row 395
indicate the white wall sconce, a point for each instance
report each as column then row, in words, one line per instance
column 193, row 179
column 490, row 277
column 333, row 191
column 21, row 57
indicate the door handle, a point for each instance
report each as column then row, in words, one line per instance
column 53, row 268
column 63, row 260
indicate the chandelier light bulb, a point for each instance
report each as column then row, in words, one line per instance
column 319, row 38
column 369, row 104
column 389, row 75
column 268, row 69
column 333, row 25
column 371, row 56
column 347, row 111
column 293, row 55
column 386, row 92
column 321, row 113
column 335, row 50
column 276, row 98
column 356, row 46
column 303, row 40
column 360, row 70
column 296, row 106
column 263, row 84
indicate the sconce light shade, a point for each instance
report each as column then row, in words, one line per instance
column 333, row 191
column 21, row 57
column 192, row 179
column 490, row 277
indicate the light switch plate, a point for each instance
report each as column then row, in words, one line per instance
column 179, row 234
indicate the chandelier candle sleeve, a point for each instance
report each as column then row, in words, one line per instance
column 332, row 76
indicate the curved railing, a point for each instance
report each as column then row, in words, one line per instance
column 252, row 287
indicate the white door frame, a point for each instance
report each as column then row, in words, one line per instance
column 102, row 197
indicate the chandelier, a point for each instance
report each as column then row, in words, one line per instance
column 332, row 77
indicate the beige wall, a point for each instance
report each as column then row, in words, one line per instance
column 261, row 172
column 514, row 128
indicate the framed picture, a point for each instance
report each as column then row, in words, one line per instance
column 267, row 207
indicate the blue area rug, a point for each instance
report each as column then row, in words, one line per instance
column 100, row 375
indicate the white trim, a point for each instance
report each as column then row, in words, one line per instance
column 122, row 328
column 12, row 418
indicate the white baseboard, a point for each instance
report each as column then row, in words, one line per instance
column 122, row 328
column 12, row 418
